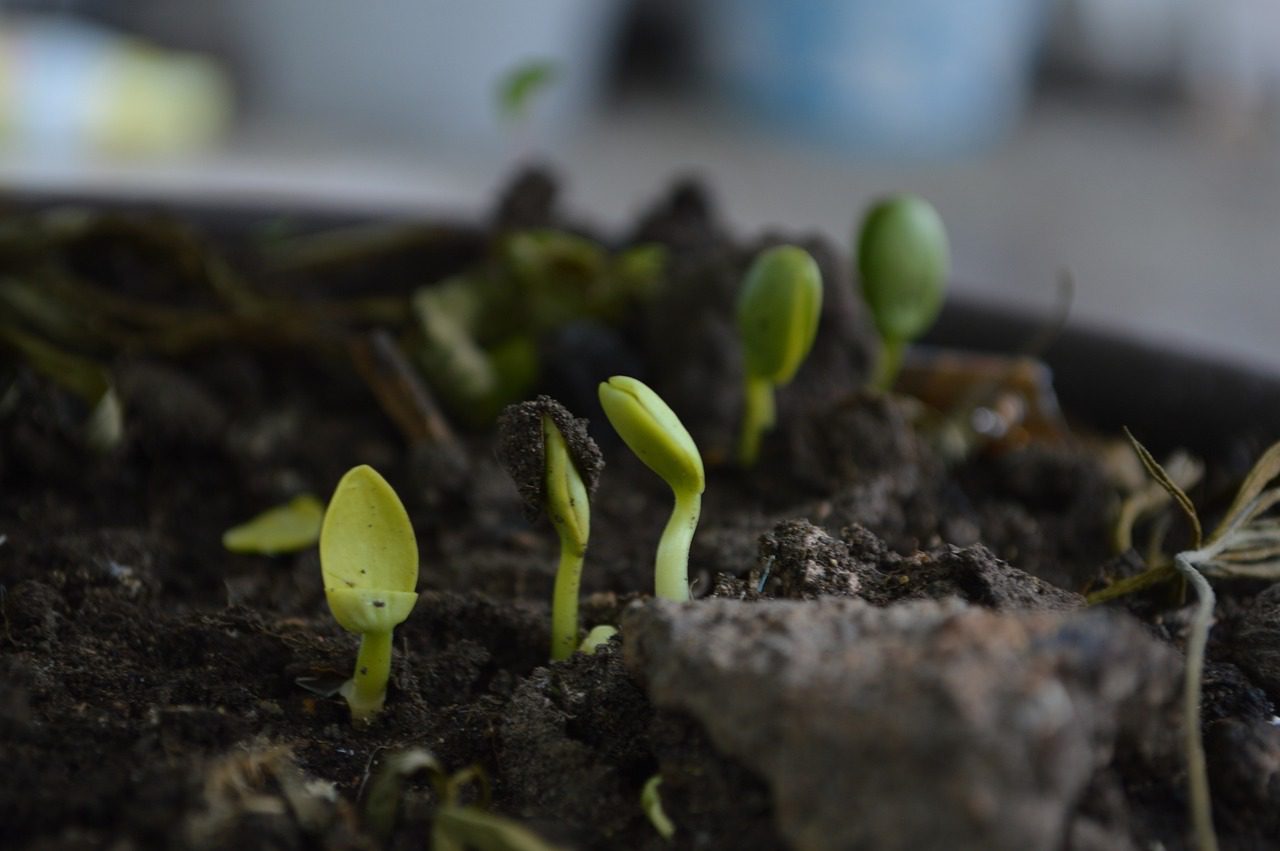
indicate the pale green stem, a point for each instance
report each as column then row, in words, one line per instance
column 671, row 570
column 1197, row 773
column 888, row 364
column 758, row 416
column 564, row 602
column 366, row 691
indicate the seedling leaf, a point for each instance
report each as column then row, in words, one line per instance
column 778, row 312
column 597, row 637
column 653, row 432
column 518, row 86
column 366, row 540
column 651, row 803
column 286, row 528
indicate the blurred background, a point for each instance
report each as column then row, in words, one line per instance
column 1134, row 142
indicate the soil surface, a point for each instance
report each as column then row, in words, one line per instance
column 897, row 654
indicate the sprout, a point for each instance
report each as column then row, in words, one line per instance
column 518, row 86
column 597, row 637
column 651, row 803
column 556, row 465
column 902, row 260
column 455, row 825
column 369, row 559
column 286, row 528
column 655, row 435
column 778, row 310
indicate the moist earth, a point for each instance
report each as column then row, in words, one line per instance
column 891, row 649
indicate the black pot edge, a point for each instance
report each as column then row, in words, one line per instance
column 1167, row 397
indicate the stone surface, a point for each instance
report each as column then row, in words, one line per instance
column 919, row 725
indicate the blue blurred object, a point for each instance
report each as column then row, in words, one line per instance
column 913, row 78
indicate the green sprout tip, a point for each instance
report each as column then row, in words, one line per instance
column 369, row 559
column 778, row 311
column 555, row 465
column 653, row 432
column 903, row 259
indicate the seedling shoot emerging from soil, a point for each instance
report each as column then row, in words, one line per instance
column 655, row 434
column 1245, row 544
column 555, row 465
column 778, row 311
column 369, row 558
column 903, row 260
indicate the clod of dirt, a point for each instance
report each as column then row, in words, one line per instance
column 1257, row 641
column 974, row 575
column 805, row 563
column 1244, row 773
column 922, row 725
column 522, row 449
column 858, row 438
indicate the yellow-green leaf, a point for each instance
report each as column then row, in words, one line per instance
column 651, row 803
column 568, row 505
column 367, row 545
column 598, row 636
column 903, row 259
column 778, row 311
column 653, row 432
column 286, row 528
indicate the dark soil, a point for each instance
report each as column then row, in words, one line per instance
column 150, row 681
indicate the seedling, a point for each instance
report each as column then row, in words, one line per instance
column 778, row 311
column 654, row 433
column 369, row 558
column 556, row 466
column 286, row 528
column 1245, row 544
column 902, row 260
column 455, row 825
column 521, row 85
column 597, row 637
column 651, row 803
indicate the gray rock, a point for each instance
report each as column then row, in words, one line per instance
column 920, row 725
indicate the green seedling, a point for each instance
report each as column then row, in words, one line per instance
column 476, row 335
column 597, row 638
column 1245, row 544
column 287, row 528
column 556, row 466
column 655, row 434
column 520, row 86
column 369, row 558
column 456, row 825
column 903, row 261
column 778, row 311
column 651, row 803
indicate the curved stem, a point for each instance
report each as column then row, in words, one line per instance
column 564, row 603
column 671, row 569
column 758, row 416
column 888, row 364
column 1197, row 773
column 366, row 691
